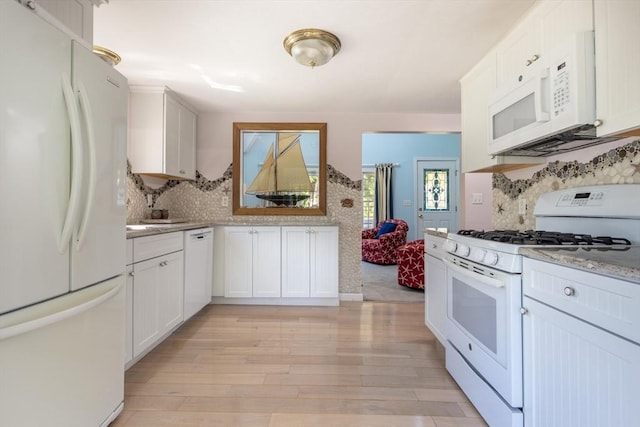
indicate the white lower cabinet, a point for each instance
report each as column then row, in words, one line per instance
column 579, row 371
column 293, row 265
column 435, row 290
column 128, row 336
column 252, row 262
column 157, row 283
column 310, row 262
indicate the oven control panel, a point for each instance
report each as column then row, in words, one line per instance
column 585, row 198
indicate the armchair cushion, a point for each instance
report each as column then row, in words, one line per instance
column 387, row 227
column 383, row 250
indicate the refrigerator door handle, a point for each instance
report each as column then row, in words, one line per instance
column 56, row 310
column 76, row 169
column 91, row 143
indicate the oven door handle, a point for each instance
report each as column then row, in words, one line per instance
column 489, row 281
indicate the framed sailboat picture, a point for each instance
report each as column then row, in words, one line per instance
column 279, row 168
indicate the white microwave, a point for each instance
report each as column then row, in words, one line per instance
column 542, row 113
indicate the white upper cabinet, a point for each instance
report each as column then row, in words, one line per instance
column 548, row 24
column 162, row 134
column 617, row 65
column 75, row 17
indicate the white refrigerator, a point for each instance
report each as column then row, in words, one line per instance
column 63, row 123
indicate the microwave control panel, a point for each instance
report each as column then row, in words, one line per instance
column 560, row 87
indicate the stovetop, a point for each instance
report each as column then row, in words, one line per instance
column 542, row 237
column 500, row 249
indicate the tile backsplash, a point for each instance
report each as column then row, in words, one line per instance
column 620, row 165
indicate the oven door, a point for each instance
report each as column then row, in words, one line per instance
column 484, row 324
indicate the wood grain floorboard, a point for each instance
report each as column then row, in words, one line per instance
column 360, row 364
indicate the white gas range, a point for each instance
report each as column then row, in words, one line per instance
column 484, row 288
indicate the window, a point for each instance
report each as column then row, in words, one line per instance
column 436, row 190
column 368, row 197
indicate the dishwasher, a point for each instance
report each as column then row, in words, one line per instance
column 198, row 270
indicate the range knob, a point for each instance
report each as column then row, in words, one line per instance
column 477, row 254
column 462, row 250
column 491, row 258
column 450, row 246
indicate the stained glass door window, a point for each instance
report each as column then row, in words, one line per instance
column 436, row 190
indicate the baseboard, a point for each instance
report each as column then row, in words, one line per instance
column 351, row 297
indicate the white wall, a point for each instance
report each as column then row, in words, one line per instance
column 344, row 135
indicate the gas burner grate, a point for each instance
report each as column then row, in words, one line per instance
column 541, row 237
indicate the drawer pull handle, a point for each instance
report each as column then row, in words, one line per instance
column 569, row 291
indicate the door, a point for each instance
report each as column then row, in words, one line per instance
column 34, row 158
column 266, row 262
column 485, row 325
column 324, row 262
column 238, row 262
column 146, row 300
column 98, row 244
column 437, row 195
column 295, row 262
column 576, row 374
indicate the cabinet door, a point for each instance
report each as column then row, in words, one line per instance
column 171, row 136
column 323, row 256
column 435, row 296
column 475, row 88
column 146, row 297
column 266, row 262
column 518, row 52
column 575, row 374
column 296, row 271
column 187, row 143
column 617, row 65
column 171, row 289
column 238, row 262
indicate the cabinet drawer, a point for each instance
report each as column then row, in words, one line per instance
column 156, row 245
column 611, row 304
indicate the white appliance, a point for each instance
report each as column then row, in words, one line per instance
column 198, row 270
column 552, row 109
column 484, row 288
column 63, row 122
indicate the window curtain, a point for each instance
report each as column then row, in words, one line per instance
column 383, row 192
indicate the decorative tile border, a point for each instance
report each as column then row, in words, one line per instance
column 564, row 171
column 620, row 165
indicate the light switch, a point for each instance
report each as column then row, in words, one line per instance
column 476, row 198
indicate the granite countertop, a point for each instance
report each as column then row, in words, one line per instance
column 438, row 232
column 190, row 225
column 167, row 228
column 618, row 262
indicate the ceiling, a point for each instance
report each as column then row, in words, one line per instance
column 398, row 56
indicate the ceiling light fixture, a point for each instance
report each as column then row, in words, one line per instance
column 312, row 47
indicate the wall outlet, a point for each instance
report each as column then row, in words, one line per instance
column 149, row 200
column 225, row 201
column 522, row 206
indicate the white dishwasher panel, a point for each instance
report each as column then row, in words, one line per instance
column 198, row 270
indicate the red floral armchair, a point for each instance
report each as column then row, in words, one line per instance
column 383, row 249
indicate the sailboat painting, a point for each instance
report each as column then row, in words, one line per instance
column 279, row 178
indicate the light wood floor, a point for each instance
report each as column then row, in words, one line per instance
column 360, row 364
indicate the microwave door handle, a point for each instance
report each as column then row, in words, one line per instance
column 540, row 92
column 489, row 281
